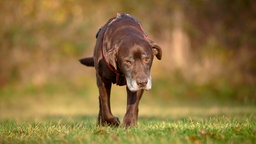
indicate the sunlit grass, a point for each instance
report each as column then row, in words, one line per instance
column 217, row 129
column 68, row 115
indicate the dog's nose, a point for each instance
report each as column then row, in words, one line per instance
column 142, row 82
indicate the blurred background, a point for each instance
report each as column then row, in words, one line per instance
column 208, row 48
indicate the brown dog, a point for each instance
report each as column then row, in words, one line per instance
column 123, row 55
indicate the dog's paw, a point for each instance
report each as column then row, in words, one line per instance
column 128, row 122
column 114, row 122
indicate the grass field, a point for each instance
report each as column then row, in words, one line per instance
column 35, row 116
column 215, row 129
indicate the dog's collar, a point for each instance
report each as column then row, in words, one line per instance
column 120, row 78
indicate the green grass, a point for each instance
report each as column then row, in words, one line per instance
column 216, row 129
column 57, row 115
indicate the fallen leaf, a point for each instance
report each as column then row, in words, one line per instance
column 114, row 137
column 204, row 132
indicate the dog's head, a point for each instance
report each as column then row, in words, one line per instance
column 135, row 61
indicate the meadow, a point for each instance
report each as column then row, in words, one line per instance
column 237, row 128
column 203, row 88
column 55, row 115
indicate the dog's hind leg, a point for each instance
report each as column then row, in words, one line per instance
column 99, row 122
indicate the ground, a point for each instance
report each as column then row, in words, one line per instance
column 35, row 116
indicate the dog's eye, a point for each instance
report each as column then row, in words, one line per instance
column 128, row 62
column 146, row 59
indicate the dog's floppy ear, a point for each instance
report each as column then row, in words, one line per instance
column 112, row 60
column 111, row 56
column 157, row 51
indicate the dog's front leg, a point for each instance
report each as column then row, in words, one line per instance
column 105, row 116
column 132, row 110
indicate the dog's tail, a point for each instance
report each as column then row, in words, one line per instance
column 87, row 61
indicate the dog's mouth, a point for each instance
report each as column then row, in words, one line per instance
column 134, row 85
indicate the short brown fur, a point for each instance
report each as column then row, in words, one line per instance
column 130, row 52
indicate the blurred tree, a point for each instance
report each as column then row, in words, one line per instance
column 233, row 22
column 41, row 40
